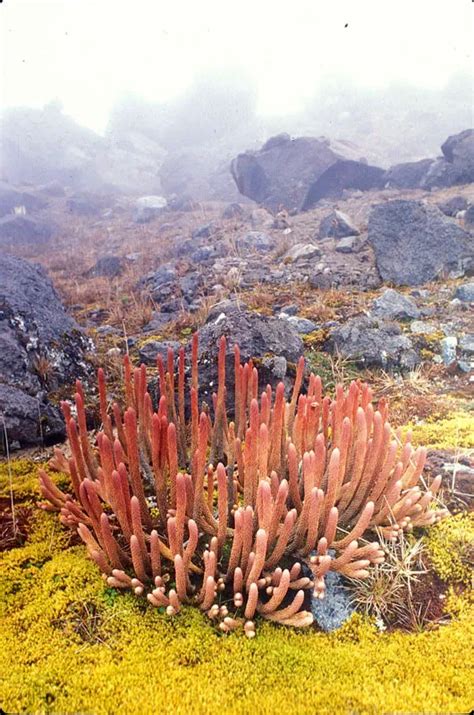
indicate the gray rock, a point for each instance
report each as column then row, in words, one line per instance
column 18, row 230
column 107, row 266
column 157, row 322
column 337, row 605
column 256, row 241
column 297, row 173
column 150, row 350
column 415, row 243
column 41, row 350
column 11, row 199
column 205, row 231
column 458, row 150
column 204, row 253
column 233, row 210
column 420, row 327
column 469, row 217
column 337, row 225
column 258, row 337
column 346, row 245
column 452, row 206
column 184, row 202
column 448, row 349
column 85, row 204
column 465, row 293
column 164, row 275
column 441, row 174
column 303, row 252
column 408, row 175
column 466, row 344
column 148, row 208
column 395, row 306
column 27, row 419
column 467, row 367
column 303, row 326
column 371, row 342
column 107, row 330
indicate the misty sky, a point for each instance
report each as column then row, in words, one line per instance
column 88, row 52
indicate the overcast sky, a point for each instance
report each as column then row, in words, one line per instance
column 87, row 52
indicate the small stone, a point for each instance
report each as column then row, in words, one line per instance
column 303, row 252
column 152, row 348
column 419, row 327
column 114, row 352
column 303, row 326
column 395, row 306
column 466, row 343
column 448, row 349
column 205, row 231
column 337, row 605
column 337, row 225
column 149, row 207
column 465, row 293
column 346, row 245
column 256, row 241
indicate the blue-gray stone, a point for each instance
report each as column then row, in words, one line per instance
column 337, row 605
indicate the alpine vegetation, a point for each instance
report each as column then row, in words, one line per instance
column 241, row 518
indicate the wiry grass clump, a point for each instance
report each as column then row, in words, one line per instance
column 242, row 517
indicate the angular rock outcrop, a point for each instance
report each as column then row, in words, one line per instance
column 415, row 243
column 42, row 350
column 274, row 344
column 372, row 342
column 456, row 166
column 297, row 173
column 337, row 225
column 408, row 175
column 458, row 149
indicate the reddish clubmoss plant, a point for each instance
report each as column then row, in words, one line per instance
column 241, row 515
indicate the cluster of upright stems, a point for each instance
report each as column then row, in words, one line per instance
column 237, row 517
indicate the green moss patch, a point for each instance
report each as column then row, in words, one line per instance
column 70, row 644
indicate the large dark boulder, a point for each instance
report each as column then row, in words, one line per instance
column 42, row 350
column 415, row 243
column 456, row 166
column 458, row 149
column 342, row 175
column 441, row 174
column 408, row 175
column 297, row 173
column 273, row 343
column 18, row 230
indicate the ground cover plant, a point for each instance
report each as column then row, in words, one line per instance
column 244, row 517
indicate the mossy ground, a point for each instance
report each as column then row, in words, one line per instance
column 70, row 644
column 455, row 431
